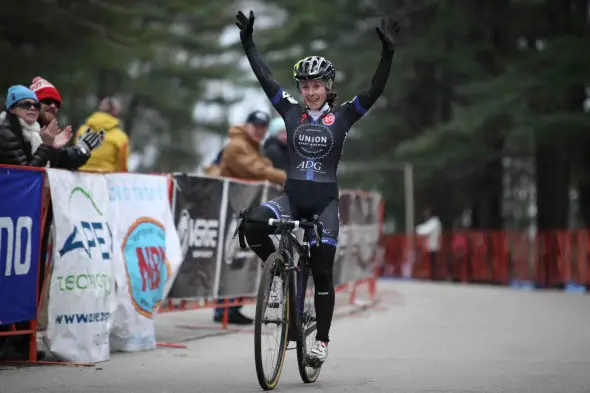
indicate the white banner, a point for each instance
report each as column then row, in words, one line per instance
column 82, row 286
column 147, row 255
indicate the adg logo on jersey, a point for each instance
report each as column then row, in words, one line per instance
column 312, row 143
column 89, row 236
column 148, row 269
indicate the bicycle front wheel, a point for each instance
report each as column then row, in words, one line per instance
column 272, row 299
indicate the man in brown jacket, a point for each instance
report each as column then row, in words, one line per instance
column 242, row 157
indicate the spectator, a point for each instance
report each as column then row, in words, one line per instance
column 275, row 146
column 23, row 142
column 242, row 159
column 431, row 228
column 113, row 154
column 72, row 157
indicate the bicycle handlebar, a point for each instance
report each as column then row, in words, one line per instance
column 284, row 224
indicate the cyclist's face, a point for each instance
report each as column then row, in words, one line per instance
column 314, row 94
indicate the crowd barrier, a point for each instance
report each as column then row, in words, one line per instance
column 554, row 259
column 122, row 247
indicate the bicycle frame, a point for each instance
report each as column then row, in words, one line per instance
column 287, row 244
column 298, row 277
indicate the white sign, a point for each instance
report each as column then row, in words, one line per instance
column 82, row 284
column 147, row 255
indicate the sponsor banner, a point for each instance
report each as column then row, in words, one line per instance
column 21, row 193
column 197, row 215
column 364, row 212
column 239, row 268
column 206, row 211
column 342, row 254
column 82, row 285
column 141, row 218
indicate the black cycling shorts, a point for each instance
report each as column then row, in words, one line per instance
column 328, row 212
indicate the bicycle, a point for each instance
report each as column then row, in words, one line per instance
column 296, row 323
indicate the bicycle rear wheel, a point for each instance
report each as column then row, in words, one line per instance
column 268, row 374
column 307, row 373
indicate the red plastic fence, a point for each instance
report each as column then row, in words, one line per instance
column 547, row 259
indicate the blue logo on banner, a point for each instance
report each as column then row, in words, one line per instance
column 21, row 191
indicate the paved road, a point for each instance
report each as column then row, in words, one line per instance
column 423, row 338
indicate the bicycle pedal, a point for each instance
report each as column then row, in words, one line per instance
column 312, row 363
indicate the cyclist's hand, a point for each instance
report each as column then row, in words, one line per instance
column 387, row 32
column 246, row 25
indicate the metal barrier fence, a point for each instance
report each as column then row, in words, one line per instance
column 113, row 250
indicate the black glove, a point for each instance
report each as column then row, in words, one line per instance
column 246, row 25
column 90, row 140
column 387, row 32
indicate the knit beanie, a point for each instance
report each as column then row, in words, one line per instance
column 17, row 93
column 44, row 89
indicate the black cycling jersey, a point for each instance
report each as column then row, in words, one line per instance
column 315, row 140
column 315, row 145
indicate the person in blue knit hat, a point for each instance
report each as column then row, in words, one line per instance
column 22, row 141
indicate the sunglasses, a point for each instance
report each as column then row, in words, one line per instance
column 28, row 105
column 49, row 101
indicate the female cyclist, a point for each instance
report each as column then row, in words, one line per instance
column 316, row 134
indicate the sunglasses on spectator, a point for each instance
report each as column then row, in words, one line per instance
column 28, row 105
column 49, row 101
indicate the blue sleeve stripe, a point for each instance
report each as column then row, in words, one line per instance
column 326, row 240
column 275, row 100
column 358, row 107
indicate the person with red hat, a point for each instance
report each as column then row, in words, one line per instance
column 70, row 157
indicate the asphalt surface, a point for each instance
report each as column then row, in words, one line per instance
column 419, row 338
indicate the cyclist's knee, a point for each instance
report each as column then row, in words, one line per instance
column 254, row 231
column 323, row 256
column 322, row 266
column 257, row 236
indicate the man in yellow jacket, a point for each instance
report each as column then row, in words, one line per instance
column 113, row 155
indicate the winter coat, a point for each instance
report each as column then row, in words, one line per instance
column 277, row 153
column 113, row 154
column 242, row 159
column 22, row 147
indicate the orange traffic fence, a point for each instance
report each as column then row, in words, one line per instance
column 551, row 259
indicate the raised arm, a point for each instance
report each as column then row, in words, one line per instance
column 365, row 100
column 369, row 96
column 281, row 100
